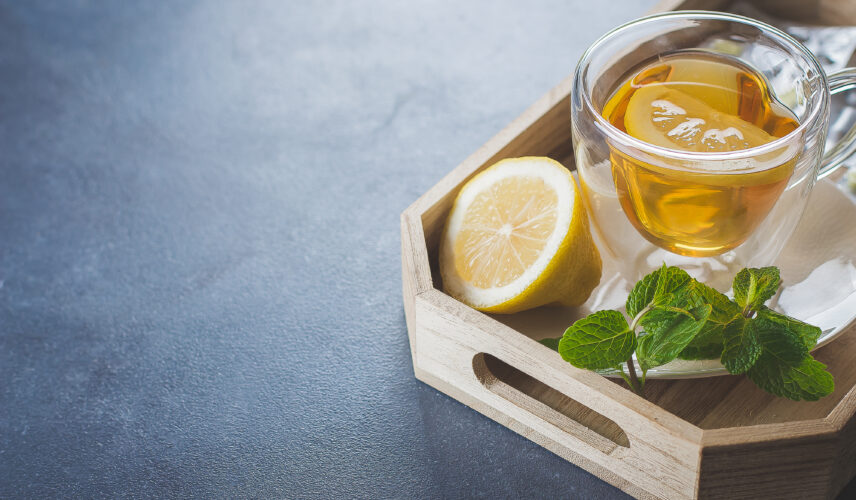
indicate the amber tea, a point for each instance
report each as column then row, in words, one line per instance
column 700, row 102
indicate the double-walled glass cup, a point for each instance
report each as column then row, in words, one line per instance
column 758, row 194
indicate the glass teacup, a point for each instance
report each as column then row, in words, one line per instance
column 711, row 213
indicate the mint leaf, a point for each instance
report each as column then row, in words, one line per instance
column 807, row 381
column 675, row 309
column 808, row 333
column 753, row 287
column 642, row 294
column 668, row 333
column 740, row 347
column 708, row 343
column 671, row 281
column 703, row 349
column 781, row 343
column 551, row 343
column 644, row 356
column 667, row 285
column 598, row 341
column 723, row 309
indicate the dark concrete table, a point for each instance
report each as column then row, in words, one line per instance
column 199, row 243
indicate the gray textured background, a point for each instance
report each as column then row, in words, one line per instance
column 199, row 243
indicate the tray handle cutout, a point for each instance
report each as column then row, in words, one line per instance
column 548, row 404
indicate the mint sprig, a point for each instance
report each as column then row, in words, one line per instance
column 678, row 317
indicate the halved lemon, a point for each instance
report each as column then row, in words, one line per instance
column 517, row 237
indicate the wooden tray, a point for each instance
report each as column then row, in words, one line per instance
column 701, row 438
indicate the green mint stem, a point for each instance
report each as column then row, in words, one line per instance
column 638, row 318
column 625, row 377
column 634, row 380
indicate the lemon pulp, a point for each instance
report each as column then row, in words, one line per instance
column 504, row 231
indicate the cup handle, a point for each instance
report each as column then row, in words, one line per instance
column 839, row 81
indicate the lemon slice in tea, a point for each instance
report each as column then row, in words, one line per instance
column 517, row 237
column 669, row 118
